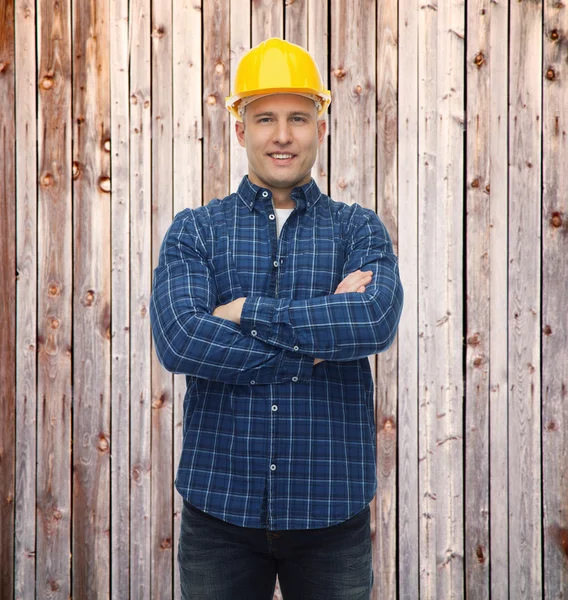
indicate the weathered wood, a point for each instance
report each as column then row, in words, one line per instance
column 240, row 43
column 477, row 181
column 554, row 292
column 385, row 542
column 91, row 300
column 267, row 20
column 187, row 179
column 525, row 81
column 407, row 464
column 318, row 48
column 440, row 233
column 7, row 294
column 352, row 64
column 140, row 268
column 296, row 21
column 161, row 517
column 120, row 282
column 498, row 304
column 26, row 317
column 216, row 122
column 53, row 546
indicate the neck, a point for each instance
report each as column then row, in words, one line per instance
column 282, row 199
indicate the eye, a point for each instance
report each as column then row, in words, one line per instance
column 263, row 120
column 298, row 119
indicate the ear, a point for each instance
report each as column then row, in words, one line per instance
column 240, row 131
column 322, row 128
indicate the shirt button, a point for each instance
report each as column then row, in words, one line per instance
column 296, row 348
column 294, row 379
column 271, row 217
column 265, row 194
column 273, row 467
column 275, row 263
column 253, row 333
column 274, row 408
column 252, row 381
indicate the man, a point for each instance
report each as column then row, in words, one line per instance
column 270, row 301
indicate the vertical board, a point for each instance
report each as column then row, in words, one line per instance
column 240, row 43
column 524, row 300
column 498, row 303
column 161, row 517
column 187, row 164
column 91, row 295
column 140, row 268
column 55, row 286
column 441, row 40
column 554, row 291
column 216, row 71
column 353, row 73
column 477, row 292
column 318, row 38
column 7, row 293
column 267, row 20
column 26, row 302
column 407, row 459
column 385, row 543
column 296, row 22
column 120, row 296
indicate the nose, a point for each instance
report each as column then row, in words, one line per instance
column 282, row 132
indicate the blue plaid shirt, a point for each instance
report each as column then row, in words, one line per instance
column 270, row 440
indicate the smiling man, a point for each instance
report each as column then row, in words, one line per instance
column 270, row 301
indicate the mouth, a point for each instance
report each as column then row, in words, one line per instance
column 281, row 157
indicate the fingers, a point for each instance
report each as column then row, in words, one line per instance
column 355, row 282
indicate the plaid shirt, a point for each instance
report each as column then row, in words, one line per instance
column 269, row 438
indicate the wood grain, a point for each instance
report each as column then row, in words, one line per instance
column 26, row 299
column 120, row 306
column 55, row 288
column 161, row 517
column 477, row 182
column 525, row 81
column 7, row 293
column 554, row 290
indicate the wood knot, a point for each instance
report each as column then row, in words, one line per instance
column 80, row 120
column 166, row 544
column 57, row 515
column 550, row 74
column 89, row 298
column 47, row 82
column 547, row 330
column 158, row 33
column 143, row 311
column 480, row 553
column 219, row 68
column 75, row 169
column 104, row 184
column 473, row 340
column 388, row 425
column 551, row 426
column 106, row 145
column 554, row 35
column 47, row 180
column 339, row 73
column 488, row 188
column 479, row 59
column 358, row 89
column 556, row 220
column 54, row 323
column 53, row 290
column 342, row 184
column 159, row 402
column 475, row 183
column 477, row 361
column 133, row 99
column 3, row 66
column 102, row 444
column 211, row 99
column 53, row 586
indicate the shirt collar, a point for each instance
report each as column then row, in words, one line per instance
column 305, row 196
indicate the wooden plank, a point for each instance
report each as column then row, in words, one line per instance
column 161, row 516
column 353, row 166
column 53, row 548
column 440, row 232
column 478, row 147
column 120, row 282
column 91, row 300
column 525, row 566
column 498, row 304
column 267, row 20
column 216, row 66
column 554, row 291
column 7, row 294
column 187, row 163
column 140, row 274
column 318, row 48
column 26, row 330
column 296, row 21
column 408, row 542
column 240, row 43
column 385, row 542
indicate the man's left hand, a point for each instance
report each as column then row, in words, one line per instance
column 231, row 311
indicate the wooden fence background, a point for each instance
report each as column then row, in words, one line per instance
column 449, row 118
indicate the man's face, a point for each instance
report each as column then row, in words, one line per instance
column 281, row 134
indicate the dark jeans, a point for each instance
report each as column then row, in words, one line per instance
column 220, row 561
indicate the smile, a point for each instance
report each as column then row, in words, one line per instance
column 281, row 156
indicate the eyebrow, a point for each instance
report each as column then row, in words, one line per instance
column 294, row 113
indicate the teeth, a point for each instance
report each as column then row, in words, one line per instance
column 281, row 156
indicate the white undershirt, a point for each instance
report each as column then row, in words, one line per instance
column 282, row 215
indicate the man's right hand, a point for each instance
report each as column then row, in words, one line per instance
column 355, row 282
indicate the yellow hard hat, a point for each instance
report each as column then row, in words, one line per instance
column 276, row 66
